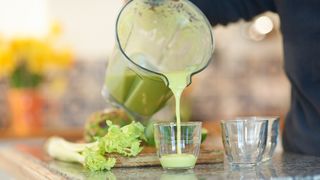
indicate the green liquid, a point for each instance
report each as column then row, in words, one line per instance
column 178, row 161
column 177, row 83
column 140, row 94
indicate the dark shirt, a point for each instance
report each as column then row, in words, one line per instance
column 300, row 27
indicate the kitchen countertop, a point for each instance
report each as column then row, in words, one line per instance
column 282, row 166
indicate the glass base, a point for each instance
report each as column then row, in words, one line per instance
column 178, row 169
column 242, row 165
column 179, row 175
column 265, row 159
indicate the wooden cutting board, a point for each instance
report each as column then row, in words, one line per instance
column 148, row 157
column 31, row 162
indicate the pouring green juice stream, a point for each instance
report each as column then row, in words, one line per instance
column 178, row 81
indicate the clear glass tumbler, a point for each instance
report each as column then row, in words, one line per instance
column 273, row 133
column 167, row 149
column 244, row 141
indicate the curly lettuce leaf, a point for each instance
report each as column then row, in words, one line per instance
column 135, row 129
column 95, row 161
column 125, row 141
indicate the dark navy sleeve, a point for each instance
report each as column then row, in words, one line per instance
column 226, row 11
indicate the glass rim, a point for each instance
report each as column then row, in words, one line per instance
column 242, row 120
column 269, row 118
column 192, row 123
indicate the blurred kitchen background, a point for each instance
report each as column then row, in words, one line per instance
column 246, row 76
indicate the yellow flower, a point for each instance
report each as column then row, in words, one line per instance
column 7, row 62
column 39, row 55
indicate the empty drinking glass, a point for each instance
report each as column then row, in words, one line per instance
column 244, row 141
column 273, row 132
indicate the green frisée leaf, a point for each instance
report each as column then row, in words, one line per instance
column 94, row 161
column 135, row 129
column 125, row 141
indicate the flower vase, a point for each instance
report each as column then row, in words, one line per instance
column 26, row 106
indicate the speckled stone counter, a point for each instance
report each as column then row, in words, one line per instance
column 282, row 166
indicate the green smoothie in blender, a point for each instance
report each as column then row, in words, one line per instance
column 141, row 94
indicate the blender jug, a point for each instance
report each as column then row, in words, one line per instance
column 155, row 38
